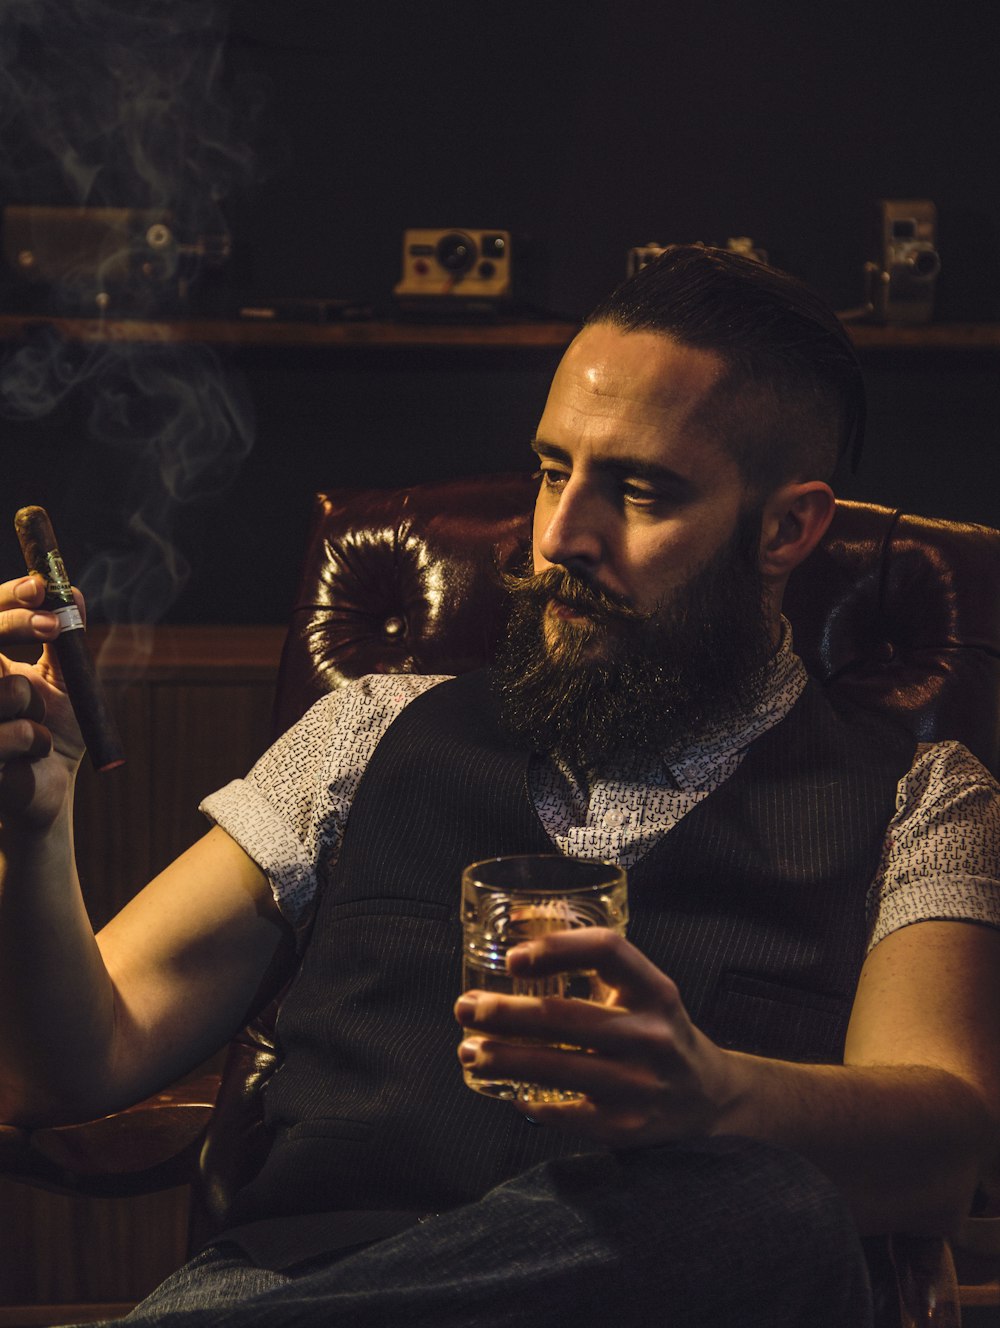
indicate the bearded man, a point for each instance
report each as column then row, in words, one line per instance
column 792, row 1053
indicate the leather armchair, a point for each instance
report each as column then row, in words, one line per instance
column 899, row 613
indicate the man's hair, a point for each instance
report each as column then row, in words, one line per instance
column 791, row 401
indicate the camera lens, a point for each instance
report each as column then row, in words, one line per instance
column 926, row 263
column 456, row 252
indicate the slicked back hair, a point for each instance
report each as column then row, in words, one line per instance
column 791, row 401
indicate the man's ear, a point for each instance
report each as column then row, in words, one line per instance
column 795, row 519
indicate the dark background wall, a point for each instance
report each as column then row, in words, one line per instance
column 584, row 128
column 594, row 126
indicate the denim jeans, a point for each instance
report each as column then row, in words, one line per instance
column 717, row 1233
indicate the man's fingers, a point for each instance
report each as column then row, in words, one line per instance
column 22, row 711
column 18, row 699
column 642, row 1037
column 618, row 963
column 22, row 617
column 24, row 738
column 602, row 1080
column 574, row 1021
column 29, row 590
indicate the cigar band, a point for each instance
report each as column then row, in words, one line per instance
column 57, row 583
column 69, row 618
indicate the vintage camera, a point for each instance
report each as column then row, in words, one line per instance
column 467, row 271
column 100, row 260
column 900, row 281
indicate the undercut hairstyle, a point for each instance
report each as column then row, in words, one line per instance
column 791, row 401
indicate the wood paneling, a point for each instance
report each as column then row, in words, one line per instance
column 214, row 731
column 111, row 812
column 73, row 1249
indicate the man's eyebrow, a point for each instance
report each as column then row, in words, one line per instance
column 636, row 467
column 543, row 449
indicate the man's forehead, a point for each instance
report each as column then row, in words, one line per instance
column 634, row 393
column 605, row 360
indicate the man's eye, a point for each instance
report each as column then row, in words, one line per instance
column 638, row 496
column 551, row 479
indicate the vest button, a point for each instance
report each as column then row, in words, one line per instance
column 393, row 628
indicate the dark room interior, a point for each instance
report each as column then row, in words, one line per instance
column 176, row 427
column 584, row 131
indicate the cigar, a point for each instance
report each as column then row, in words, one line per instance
column 41, row 553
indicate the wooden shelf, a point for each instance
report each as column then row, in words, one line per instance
column 266, row 332
column 926, row 336
column 381, row 335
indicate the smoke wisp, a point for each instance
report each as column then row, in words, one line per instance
column 128, row 104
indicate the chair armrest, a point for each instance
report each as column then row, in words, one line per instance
column 151, row 1146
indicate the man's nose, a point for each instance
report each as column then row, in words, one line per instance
column 570, row 535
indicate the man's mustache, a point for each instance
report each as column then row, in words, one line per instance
column 574, row 591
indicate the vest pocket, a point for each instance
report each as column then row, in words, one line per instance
column 332, row 1127
column 769, row 1018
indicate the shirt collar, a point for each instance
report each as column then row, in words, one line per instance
column 698, row 763
column 784, row 683
column 701, row 760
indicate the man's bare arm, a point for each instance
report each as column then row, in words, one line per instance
column 905, row 1127
column 91, row 1024
column 911, row 1122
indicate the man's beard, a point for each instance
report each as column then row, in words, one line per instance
column 619, row 682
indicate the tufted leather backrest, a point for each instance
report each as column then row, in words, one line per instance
column 899, row 613
column 402, row 581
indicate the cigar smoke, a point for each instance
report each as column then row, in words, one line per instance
column 129, row 104
column 123, row 103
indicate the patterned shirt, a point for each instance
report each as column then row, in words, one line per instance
column 940, row 857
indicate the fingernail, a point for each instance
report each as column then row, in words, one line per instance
column 468, row 1050
column 521, row 954
column 44, row 623
column 27, row 590
column 465, row 1009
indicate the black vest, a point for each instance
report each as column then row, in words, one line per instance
column 754, row 904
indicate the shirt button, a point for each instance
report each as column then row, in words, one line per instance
column 613, row 820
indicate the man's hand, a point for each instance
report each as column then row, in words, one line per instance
column 906, row 1127
column 40, row 743
column 647, row 1073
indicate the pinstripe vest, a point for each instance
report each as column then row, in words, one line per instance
column 754, row 904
